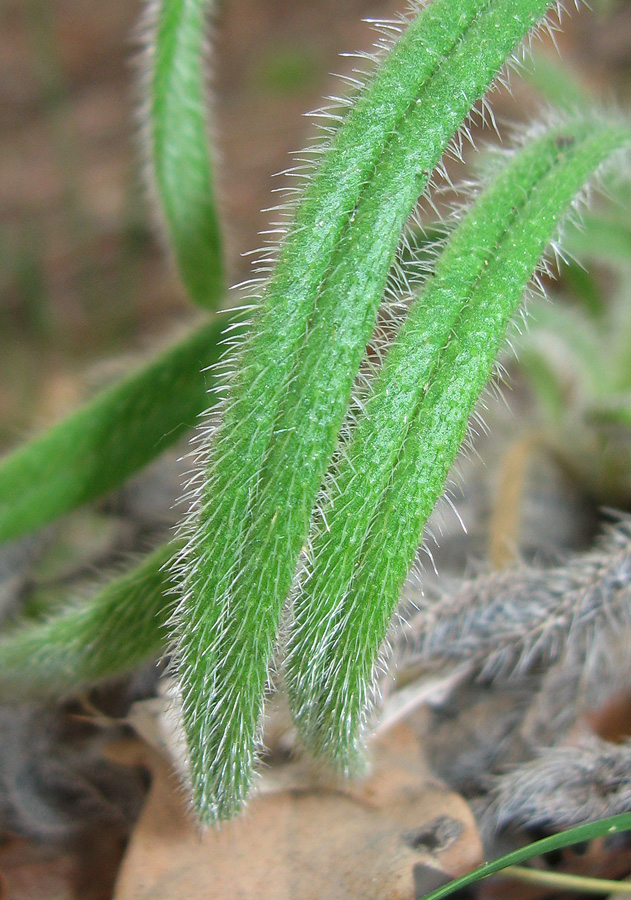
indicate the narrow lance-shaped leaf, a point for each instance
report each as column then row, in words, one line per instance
column 297, row 369
column 394, row 469
column 123, row 428
column 108, row 634
column 583, row 833
column 178, row 148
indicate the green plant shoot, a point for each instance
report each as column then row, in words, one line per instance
column 308, row 509
column 296, row 372
column 106, row 635
column 122, row 429
column 177, row 145
column 394, row 468
column 125, row 427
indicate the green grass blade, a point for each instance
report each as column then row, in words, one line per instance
column 602, row 828
column 108, row 634
column 394, row 468
column 564, row 881
column 114, row 435
column 178, row 148
column 297, row 369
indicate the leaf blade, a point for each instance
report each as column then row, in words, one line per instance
column 108, row 439
column 178, row 146
column 396, row 464
column 296, row 372
column 108, row 634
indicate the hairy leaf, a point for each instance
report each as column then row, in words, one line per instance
column 297, row 368
column 108, row 634
column 394, row 469
column 114, row 435
column 178, row 146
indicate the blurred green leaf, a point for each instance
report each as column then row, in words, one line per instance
column 114, row 435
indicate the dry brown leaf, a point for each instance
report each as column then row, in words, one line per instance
column 382, row 838
column 29, row 873
column 31, row 870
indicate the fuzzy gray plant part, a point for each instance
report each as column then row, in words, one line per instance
column 562, row 787
column 511, row 622
column 55, row 784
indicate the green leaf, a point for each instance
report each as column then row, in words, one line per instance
column 603, row 234
column 178, row 145
column 394, row 468
column 602, row 828
column 297, row 369
column 114, row 435
column 106, row 635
